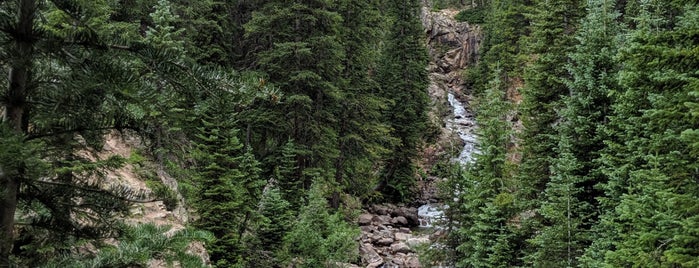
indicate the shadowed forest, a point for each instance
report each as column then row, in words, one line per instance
column 250, row 133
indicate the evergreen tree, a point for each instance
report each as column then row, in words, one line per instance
column 299, row 49
column 320, row 238
column 229, row 186
column 404, row 80
column 277, row 220
column 61, row 94
column 552, row 25
column 486, row 202
column 140, row 245
column 570, row 207
column 81, row 70
column 653, row 187
column 362, row 134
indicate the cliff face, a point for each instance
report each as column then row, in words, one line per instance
column 453, row 45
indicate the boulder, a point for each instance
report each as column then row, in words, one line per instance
column 365, row 219
column 415, row 241
column 380, row 209
column 403, row 236
column 400, row 247
column 375, row 264
column 399, row 221
column 411, row 262
column 342, row 265
column 369, row 255
column 384, row 241
column 381, row 220
column 367, row 229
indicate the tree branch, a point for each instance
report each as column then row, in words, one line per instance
column 66, row 131
column 99, row 191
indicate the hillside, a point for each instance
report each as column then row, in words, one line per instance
column 349, row 133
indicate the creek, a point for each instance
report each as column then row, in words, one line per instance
column 393, row 234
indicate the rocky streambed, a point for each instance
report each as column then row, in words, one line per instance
column 392, row 235
column 389, row 237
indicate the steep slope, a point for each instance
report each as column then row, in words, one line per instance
column 392, row 234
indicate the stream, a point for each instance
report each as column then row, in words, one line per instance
column 452, row 46
column 463, row 124
column 392, row 234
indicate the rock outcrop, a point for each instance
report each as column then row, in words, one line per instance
column 453, row 47
column 387, row 240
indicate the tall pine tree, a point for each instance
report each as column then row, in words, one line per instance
column 652, row 169
column 403, row 79
column 570, row 206
column 300, row 50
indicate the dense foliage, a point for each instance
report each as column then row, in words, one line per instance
column 602, row 172
column 276, row 118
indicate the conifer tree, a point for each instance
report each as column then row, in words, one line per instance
column 73, row 75
column 487, row 203
column 653, row 189
column 362, row 134
column 404, row 80
column 61, row 94
column 552, row 25
column 570, row 206
column 300, row 51
column 229, row 186
column 277, row 220
column 320, row 238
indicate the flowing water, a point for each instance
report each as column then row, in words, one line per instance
column 462, row 123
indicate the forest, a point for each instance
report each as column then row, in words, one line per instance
column 275, row 124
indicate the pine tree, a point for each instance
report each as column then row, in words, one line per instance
column 277, row 220
column 60, row 95
column 228, row 180
column 81, row 70
column 300, row 51
column 570, row 207
column 139, row 245
column 320, row 238
column 550, row 41
column 362, row 134
column 653, row 189
column 487, row 203
column 403, row 80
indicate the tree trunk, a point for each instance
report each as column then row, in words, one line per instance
column 15, row 117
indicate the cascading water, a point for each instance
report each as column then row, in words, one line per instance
column 463, row 123
column 453, row 45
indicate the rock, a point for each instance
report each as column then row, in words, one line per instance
column 411, row 215
column 412, row 262
column 404, row 230
column 415, row 241
column 381, row 220
column 380, row 209
column 384, row 241
column 375, row 264
column 369, row 255
column 367, row 229
column 400, row 221
column 400, row 247
column 345, row 265
column 403, row 236
column 365, row 219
